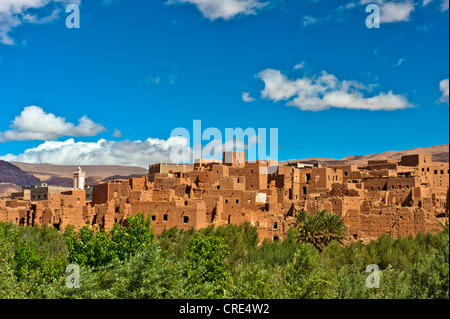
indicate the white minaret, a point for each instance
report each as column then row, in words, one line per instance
column 79, row 178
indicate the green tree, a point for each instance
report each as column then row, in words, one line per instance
column 144, row 275
column 47, row 239
column 321, row 229
column 34, row 268
column 138, row 231
column 89, row 247
column 206, row 262
column 9, row 286
column 240, row 240
column 271, row 253
column 257, row 281
column 95, row 247
column 430, row 274
column 305, row 278
column 175, row 241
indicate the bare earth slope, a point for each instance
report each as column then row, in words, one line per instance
column 7, row 189
column 10, row 173
column 440, row 154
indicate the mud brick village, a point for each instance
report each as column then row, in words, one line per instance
column 399, row 198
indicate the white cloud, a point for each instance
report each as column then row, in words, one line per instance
column 340, row 14
column 224, row 9
column 103, row 152
column 109, row 2
column 444, row 4
column 35, row 124
column 326, row 91
column 117, row 133
column 247, row 98
column 19, row 5
column 309, row 20
column 444, row 87
column 300, row 66
column 399, row 62
column 13, row 13
column 163, row 75
column 392, row 12
column 160, row 80
column 128, row 153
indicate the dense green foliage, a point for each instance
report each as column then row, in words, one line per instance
column 223, row 262
column 206, row 261
column 30, row 258
column 96, row 247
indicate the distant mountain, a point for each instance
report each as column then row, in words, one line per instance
column 68, row 181
column 439, row 153
column 12, row 174
column 7, row 188
column 59, row 175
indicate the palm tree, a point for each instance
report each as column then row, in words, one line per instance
column 321, row 229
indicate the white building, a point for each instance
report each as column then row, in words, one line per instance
column 79, row 179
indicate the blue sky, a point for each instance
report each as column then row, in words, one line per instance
column 135, row 70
